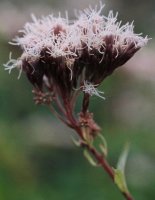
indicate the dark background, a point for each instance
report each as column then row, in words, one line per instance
column 37, row 158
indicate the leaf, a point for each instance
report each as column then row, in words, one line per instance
column 123, row 158
column 87, row 137
column 103, row 149
column 89, row 158
column 76, row 142
column 103, row 145
column 120, row 181
column 119, row 173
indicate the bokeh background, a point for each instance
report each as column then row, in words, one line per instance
column 37, row 158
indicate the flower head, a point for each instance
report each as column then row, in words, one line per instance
column 59, row 55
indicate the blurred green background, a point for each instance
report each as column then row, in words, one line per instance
column 37, row 158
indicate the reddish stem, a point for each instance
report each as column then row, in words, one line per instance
column 101, row 160
column 128, row 196
column 105, row 165
column 98, row 156
column 85, row 103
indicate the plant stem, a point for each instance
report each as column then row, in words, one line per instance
column 106, row 166
column 72, row 122
column 102, row 161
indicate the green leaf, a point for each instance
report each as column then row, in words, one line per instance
column 123, row 158
column 88, row 139
column 119, row 173
column 103, row 145
column 120, row 181
column 103, row 149
column 89, row 158
column 76, row 142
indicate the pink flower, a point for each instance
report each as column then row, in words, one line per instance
column 62, row 56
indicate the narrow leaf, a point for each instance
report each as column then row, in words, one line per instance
column 119, row 176
column 87, row 137
column 76, row 142
column 103, row 149
column 103, row 146
column 123, row 158
column 120, row 181
column 89, row 158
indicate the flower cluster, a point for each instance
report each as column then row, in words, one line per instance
column 60, row 56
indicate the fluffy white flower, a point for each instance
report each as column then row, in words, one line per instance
column 70, row 52
column 91, row 28
column 91, row 89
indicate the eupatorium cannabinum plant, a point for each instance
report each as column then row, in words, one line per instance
column 62, row 59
